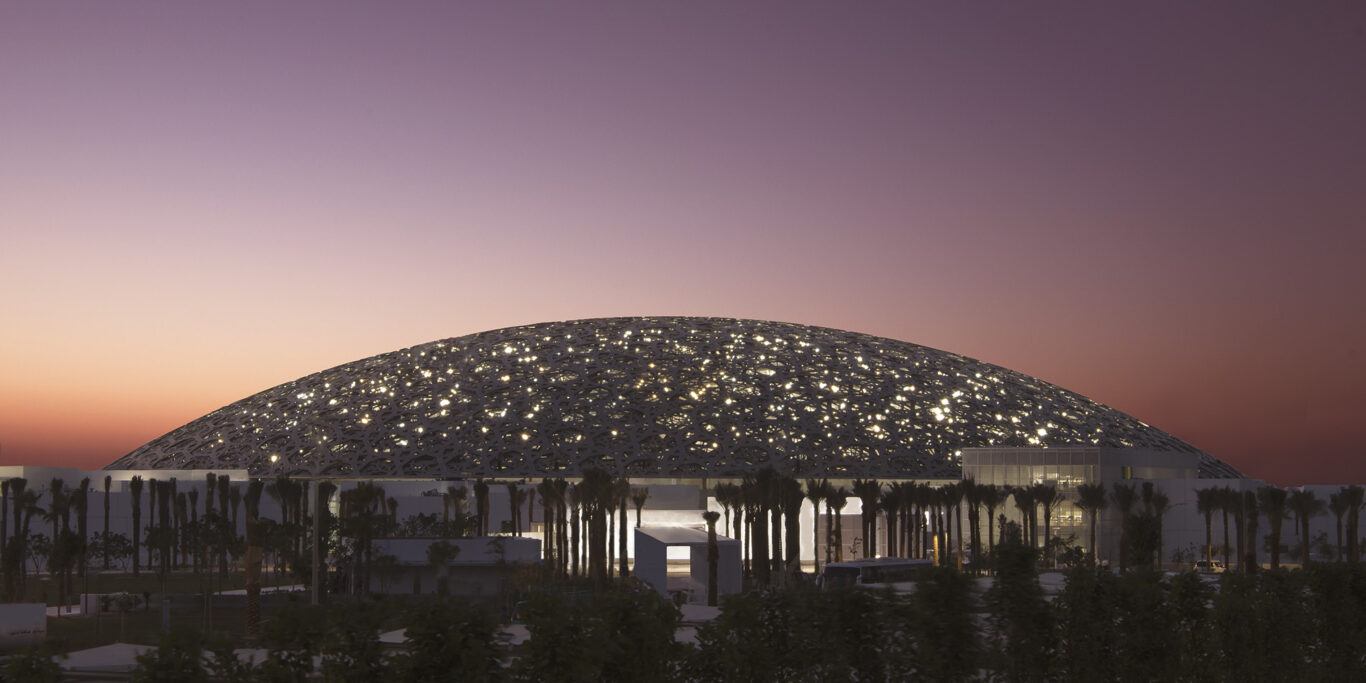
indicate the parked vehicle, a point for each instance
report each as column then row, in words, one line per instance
column 1209, row 567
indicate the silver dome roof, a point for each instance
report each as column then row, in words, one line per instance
column 647, row 397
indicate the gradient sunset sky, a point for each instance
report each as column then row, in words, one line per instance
column 1161, row 206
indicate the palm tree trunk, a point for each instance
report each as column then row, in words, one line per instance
column 991, row 531
column 815, row 536
column 574, row 540
column 775, row 521
column 1095, row 559
column 1226, row 546
column 830, row 531
column 1304, row 528
column 1209, row 539
column 104, row 540
column 839, row 536
column 1339, row 538
column 621, row 539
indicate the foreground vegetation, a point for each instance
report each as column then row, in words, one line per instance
column 1303, row 625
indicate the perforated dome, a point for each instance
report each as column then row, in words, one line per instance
column 647, row 397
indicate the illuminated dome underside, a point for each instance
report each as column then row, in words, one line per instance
column 647, row 397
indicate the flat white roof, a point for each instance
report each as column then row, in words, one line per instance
column 680, row 535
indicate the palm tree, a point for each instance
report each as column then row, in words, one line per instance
column 548, row 548
column 1337, row 504
column 831, row 549
column 4, row 513
column 59, row 508
column 574, row 503
column 1024, row 502
column 515, row 499
column 622, row 493
column 934, row 502
column 562, row 521
column 59, row 513
column 1305, row 505
column 210, row 484
column 362, row 518
column 596, row 496
column 1354, row 496
column 725, row 495
column 481, row 506
column 104, row 538
column 135, row 488
column 1161, row 504
column 229, row 500
column 953, row 499
column 1047, row 496
column 711, row 516
column 1206, row 502
column 816, row 491
column 754, row 488
column 25, row 504
column 765, row 485
column 868, row 491
column 1250, row 515
column 253, row 559
column 992, row 497
column 180, row 520
column 530, row 500
column 1225, row 500
column 1273, row 501
column 638, row 498
column 1233, row 500
column 198, row 534
column 1124, row 497
column 890, row 504
column 165, row 533
column 774, row 494
column 837, row 499
column 1091, row 499
column 792, row 496
column 81, row 502
column 972, row 495
column 151, row 517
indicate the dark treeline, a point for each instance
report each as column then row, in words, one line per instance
column 1302, row 625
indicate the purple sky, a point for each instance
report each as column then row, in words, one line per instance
column 1162, row 208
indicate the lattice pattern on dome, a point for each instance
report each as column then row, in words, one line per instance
column 647, row 397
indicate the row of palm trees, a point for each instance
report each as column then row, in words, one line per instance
column 1276, row 505
column 68, row 552
column 579, row 519
column 921, row 518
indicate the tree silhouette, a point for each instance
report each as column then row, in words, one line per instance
column 1047, row 497
column 711, row 516
column 837, row 499
column 1273, row 502
column 1091, row 499
column 1353, row 495
column 816, row 491
column 105, row 535
column 1206, row 502
column 1305, row 506
column 1337, row 504
column 1124, row 497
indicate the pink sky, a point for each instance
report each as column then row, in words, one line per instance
column 1161, row 208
